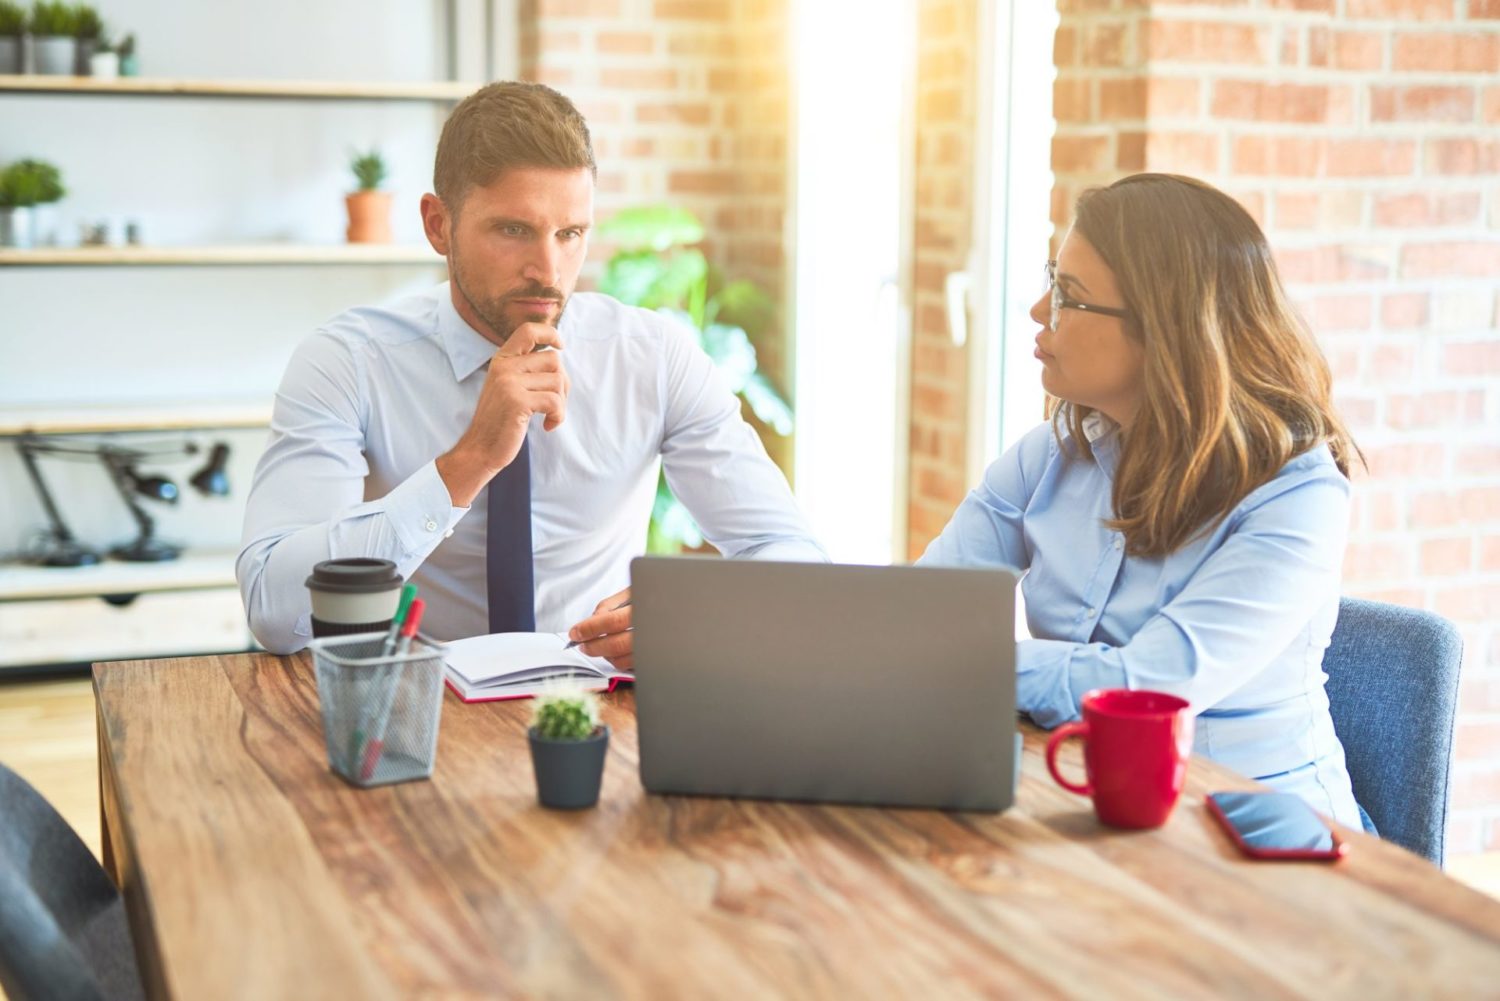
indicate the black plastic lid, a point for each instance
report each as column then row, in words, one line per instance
column 355, row 575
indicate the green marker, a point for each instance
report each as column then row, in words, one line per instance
column 408, row 592
column 387, row 649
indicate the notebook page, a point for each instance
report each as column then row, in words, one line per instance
column 502, row 658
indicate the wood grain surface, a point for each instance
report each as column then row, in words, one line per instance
column 252, row 871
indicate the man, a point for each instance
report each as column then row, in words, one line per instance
column 498, row 437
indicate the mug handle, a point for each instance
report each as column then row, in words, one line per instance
column 1062, row 733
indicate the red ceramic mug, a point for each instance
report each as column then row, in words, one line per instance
column 1136, row 749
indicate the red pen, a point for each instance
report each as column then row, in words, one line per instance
column 403, row 647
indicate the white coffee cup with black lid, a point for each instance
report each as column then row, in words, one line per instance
column 353, row 595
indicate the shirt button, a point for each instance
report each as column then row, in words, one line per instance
column 448, row 534
column 431, row 525
column 1090, row 613
column 1119, row 543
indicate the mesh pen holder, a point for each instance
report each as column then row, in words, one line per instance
column 380, row 714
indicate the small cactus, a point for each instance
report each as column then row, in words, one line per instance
column 369, row 170
column 566, row 715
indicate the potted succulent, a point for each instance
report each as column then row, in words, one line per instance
column 54, row 45
column 567, row 748
column 104, row 62
column 88, row 29
column 129, row 64
column 19, row 191
column 369, row 207
column 12, row 33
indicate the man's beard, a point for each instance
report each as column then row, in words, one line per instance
column 493, row 310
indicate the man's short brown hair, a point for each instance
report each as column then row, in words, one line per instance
column 507, row 125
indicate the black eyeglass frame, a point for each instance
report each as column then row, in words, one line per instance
column 1060, row 301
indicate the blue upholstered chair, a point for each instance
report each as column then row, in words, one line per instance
column 1393, row 692
column 63, row 931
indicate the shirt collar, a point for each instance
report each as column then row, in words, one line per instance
column 1104, row 441
column 467, row 349
column 1096, row 426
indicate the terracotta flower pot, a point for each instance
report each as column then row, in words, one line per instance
column 369, row 217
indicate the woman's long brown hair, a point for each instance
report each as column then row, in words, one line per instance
column 1234, row 384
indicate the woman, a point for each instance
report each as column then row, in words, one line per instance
column 1181, row 519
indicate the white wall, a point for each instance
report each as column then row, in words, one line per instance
column 195, row 171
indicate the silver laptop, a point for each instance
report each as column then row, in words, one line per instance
column 890, row 686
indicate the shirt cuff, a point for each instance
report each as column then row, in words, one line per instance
column 1053, row 676
column 1043, row 686
column 420, row 510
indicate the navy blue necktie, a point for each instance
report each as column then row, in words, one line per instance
column 508, row 548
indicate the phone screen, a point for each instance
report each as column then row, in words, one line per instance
column 1275, row 821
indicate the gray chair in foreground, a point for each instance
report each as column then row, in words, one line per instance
column 1393, row 693
column 63, row 931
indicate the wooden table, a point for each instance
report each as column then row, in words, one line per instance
column 251, row 871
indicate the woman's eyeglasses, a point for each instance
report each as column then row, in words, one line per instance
column 1061, row 302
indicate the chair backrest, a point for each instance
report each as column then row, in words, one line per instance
column 1393, row 693
column 63, row 931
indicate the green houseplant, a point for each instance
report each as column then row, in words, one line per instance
column 12, row 27
column 24, row 185
column 568, row 745
column 88, row 28
column 44, row 177
column 657, row 265
column 129, row 65
column 44, row 181
column 54, row 43
column 369, row 207
column 104, row 61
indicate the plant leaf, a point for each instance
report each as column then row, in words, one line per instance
column 745, row 304
column 651, row 227
column 672, row 519
column 680, row 281
column 732, row 353
column 768, row 404
column 630, row 276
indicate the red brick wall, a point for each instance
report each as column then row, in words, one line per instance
column 755, row 218
column 1365, row 136
column 944, row 168
column 687, row 104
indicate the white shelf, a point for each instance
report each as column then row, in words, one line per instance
column 195, row 569
column 101, row 418
column 438, row 91
column 251, row 253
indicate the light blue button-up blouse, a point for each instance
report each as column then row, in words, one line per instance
column 1235, row 621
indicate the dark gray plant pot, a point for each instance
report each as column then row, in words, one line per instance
column 10, row 54
column 83, row 54
column 54, row 55
column 568, row 772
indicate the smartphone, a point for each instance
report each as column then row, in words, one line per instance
column 1275, row 825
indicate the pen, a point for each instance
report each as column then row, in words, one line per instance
column 409, row 627
column 407, row 594
column 388, row 702
column 573, row 643
column 387, row 649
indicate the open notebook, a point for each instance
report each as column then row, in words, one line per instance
column 520, row 665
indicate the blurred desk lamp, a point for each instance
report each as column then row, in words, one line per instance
column 122, row 465
column 61, row 548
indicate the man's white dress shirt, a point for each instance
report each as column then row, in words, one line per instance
column 372, row 398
